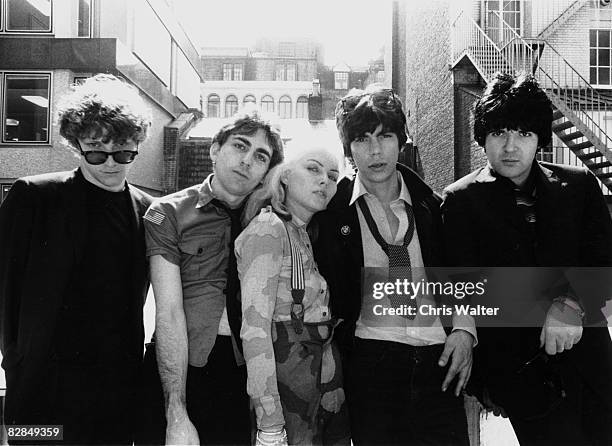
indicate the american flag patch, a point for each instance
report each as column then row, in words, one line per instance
column 154, row 216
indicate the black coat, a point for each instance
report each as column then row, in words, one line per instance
column 484, row 228
column 339, row 249
column 42, row 233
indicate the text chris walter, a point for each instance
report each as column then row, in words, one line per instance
column 411, row 289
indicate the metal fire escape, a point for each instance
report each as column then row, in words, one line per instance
column 580, row 111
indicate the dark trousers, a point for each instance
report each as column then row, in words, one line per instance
column 94, row 404
column 217, row 402
column 583, row 417
column 395, row 397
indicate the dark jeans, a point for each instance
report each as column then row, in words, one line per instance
column 395, row 397
column 217, row 402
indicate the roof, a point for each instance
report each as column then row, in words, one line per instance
column 224, row 52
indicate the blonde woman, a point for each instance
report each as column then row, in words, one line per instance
column 294, row 374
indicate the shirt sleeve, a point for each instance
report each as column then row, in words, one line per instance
column 161, row 234
column 259, row 253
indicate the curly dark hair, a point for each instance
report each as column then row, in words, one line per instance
column 246, row 122
column 103, row 105
column 361, row 111
column 513, row 103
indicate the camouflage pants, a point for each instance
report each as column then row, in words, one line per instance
column 309, row 376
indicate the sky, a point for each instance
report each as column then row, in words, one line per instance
column 351, row 31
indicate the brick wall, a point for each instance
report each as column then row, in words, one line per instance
column 195, row 163
column 468, row 154
column 429, row 89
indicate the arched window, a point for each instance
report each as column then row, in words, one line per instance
column 231, row 106
column 267, row 104
column 284, row 107
column 249, row 99
column 212, row 110
column 301, row 107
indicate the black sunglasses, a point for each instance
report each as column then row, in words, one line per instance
column 97, row 157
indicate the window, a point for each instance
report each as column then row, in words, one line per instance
column 285, row 72
column 249, row 99
column 232, row 71
column 599, row 56
column 152, row 41
column 231, row 106
column 267, row 104
column 84, row 20
column 284, row 107
column 286, row 49
column 212, row 110
column 301, row 107
column 28, row 15
column 26, row 108
column 510, row 12
column 341, row 80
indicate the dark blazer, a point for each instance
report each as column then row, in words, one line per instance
column 339, row 249
column 483, row 227
column 42, row 234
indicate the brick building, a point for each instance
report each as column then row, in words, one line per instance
column 48, row 45
column 444, row 52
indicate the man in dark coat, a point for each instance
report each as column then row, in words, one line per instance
column 73, row 276
column 397, row 369
column 553, row 376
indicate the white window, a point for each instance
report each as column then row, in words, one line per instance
column 301, row 107
column 341, row 80
column 249, row 99
column 284, row 107
column 214, row 105
column 25, row 108
column 232, row 71
column 599, row 56
column 26, row 16
column 85, row 18
column 508, row 11
column 231, row 106
column 286, row 72
column 267, row 104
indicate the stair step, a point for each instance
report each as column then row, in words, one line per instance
column 571, row 136
column 580, row 145
column 562, row 126
column 588, row 156
column 557, row 114
column 604, row 176
column 594, row 166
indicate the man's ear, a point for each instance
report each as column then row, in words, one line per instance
column 214, row 151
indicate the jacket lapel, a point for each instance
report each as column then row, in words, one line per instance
column 76, row 209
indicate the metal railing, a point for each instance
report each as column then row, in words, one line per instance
column 544, row 14
column 567, row 88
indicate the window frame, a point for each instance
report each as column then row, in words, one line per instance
column 597, row 67
column 244, row 99
column 301, row 100
column 91, row 18
column 3, row 97
column 281, row 70
column 225, row 111
column 345, row 80
column 285, row 104
column 213, row 95
column 264, row 100
column 4, row 26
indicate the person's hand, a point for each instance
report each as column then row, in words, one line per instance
column 562, row 328
column 278, row 438
column 459, row 346
column 181, row 431
column 491, row 406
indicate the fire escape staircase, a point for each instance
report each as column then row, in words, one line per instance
column 579, row 110
column 561, row 19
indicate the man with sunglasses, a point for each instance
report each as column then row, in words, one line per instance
column 403, row 374
column 190, row 242
column 73, row 276
column 549, row 374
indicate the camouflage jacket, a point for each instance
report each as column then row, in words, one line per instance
column 264, row 267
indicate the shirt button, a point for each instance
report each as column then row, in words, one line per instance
column 200, row 250
column 325, row 313
column 322, row 291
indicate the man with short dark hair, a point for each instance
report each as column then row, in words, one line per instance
column 73, row 275
column 397, row 373
column 190, row 243
column 551, row 378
